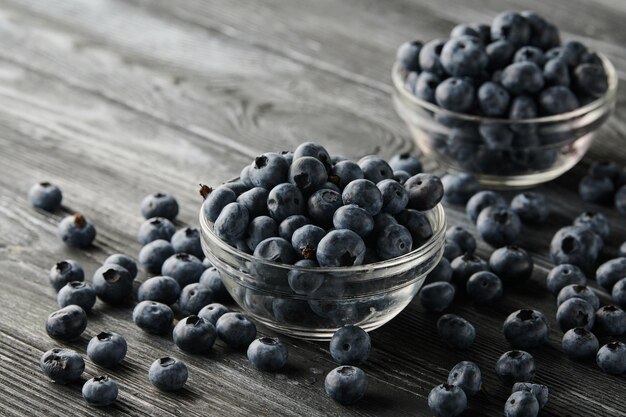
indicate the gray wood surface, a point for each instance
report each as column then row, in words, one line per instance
column 115, row 99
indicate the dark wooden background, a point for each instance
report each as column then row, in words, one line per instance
column 115, row 99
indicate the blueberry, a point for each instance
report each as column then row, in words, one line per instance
column 65, row 272
column 314, row 150
column 481, row 200
column 375, row 168
column 447, row 400
column 124, row 261
column 484, row 287
column 340, row 248
column 455, row 94
column 540, row 392
column 212, row 312
column 557, row 99
column 610, row 321
column 335, row 159
column 112, row 284
column 346, row 384
column 523, row 107
column 417, row 224
column 66, row 324
column 596, row 222
column 575, row 312
column 62, row 365
column 464, row 57
column 194, row 334
column 429, row 57
column 159, row 205
column 285, row 200
column 276, row 249
column 607, row 169
column 597, row 190
column 499, row 54
column 168, row 374
column 290, row 225
column 511, row 26
column 610, row 272
column 350, row 345
column 467, row 376
column 543, row 34
column 259, row 229
column 451, row 251
column 269, row 170
column 244, row 177
column 575, row 245
column 578, row 291
column 521, row 404
column 425, row 191
column 267, row 354
column 255, row 200
column 465, row 30
column 212, row 279
column 611, row 358
column 323, row 204
column 308, row 174
column 406, row 162
column 512, row 264
column 526, row 329
column 522, row 78
column 458, row 188
column 216, row 200
column 294, row 311
column 153, row 255
column 461, row 237
column 77, row 293
column 440, row 273
column 499, row 226
column 464, row 266
column 187, row 240
column 620, row 200
column 345, row 172
column 153, row 317
column 236, row 330
column 515, row 366
column 193, row 297
column 76, row 231
column 100, row 391
column 154, row 229
column 365, row 194
column 456, row 331
column 531, row 207
column 556, row 72
column 232, row 223
column 579, row 343
column 408, row 54
column 618, row 293
column 437, row 296
column 590, row 80
column 401, row 176
column 107, row 349
column 238, row 187
column 393, row 241
column 45, row 196
column 306, row 239
column 354, row 218
column 493, row 99
column 395, row 196
column 622, row 250
column 530, row 54
column 184, row 268
column 563, row 275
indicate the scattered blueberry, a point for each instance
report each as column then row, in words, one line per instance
column 66, row 324
column 168, row 374
column 184, row 268
column 611, row 358
column 267, row 354
column 467, row 376
column 162, row 289
column 610, row 272
column 155, row 228
column 100, row 391
column 579, row 343
column 159, row 205
column 440, row 273
column 406, row 162
column 484, row 287
column 575, row 312
column 482, row 200
column 112, row 284
column 456, row 331
column 124, row 261
column 213, row 312
column 107, row 349
column 531, row 207
column 65, row 272
column 236, row 330
column 153, row 317
column 596, row 222
column 578, row 291
column 512, row 264
column 187, row 240
column 153, row 255
column 76, row 231
column 540, row 392
column 212, row 279
column 194, row 334
column 461, row 237
column 521, row 404
column 437, row 296
column 610, row 321
column 620, row 200
column 526, row 329
column 575, row 245
column 597, row 190
column 447, row 400
column 77, row 293
column 499, row 225
column 346, row 384
column 458, row 188
column 618, row 293
column 45, row 196
column 515, row 366
column 464, row 266
column 563, row 275
column 62, row 365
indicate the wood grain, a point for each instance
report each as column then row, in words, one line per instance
column 115, row 99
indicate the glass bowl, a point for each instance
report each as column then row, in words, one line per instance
column 503, row 153
column 365, row 295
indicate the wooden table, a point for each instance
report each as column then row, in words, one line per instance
column 115, row 99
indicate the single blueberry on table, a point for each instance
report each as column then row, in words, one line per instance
column 340, row 247
column 194, row 297
column 610, row 321
column 596, row 222
column 499, row 225
column 515, row 366
column 276, row 249
column 618, row 293
column 482, row 200
column 608, row 169
column 437, row 296
column 236, row 330
column 306, row 239
column 290, row 225
column 531, row 207
column 350, row 345
column 322, row 206
column 579, row 343
column 269, row 170
column 212, row 279
column 308, row 174
column 464, row 57
column 531, row 54
column 425, row 191
column 232, row 223
column 557, row 99
column 464, row 266
column 512, row 264
column 107, row 349
column 159, row 205
column 456, row 331
column 563, row 275
column 354, row 218
column 540, row 392
column 66, row 324
column 65, row 272
column 184, row 268
column 194, row 334
column 255, row 200
column 596, row 189
column 125, row 262
column 417, row 224
column 267, row 354
column 213, row 312
column 447, row 400
column 590, row 80
column 285, row 200
column 168, row 374
column 511, row 26
column 45, row 196
column 556, row 72
column 76, row 231
column 153, row 317
column 440, row 273
column 112, row 284
column 62, row 365
column 461, row 237
column 162, row 289
column 493, row 99
column 153, row 255
column 408, row 55
column 521, row 404
column 314, row 150
column 346, row 384
column 100, row 391
column 406, row 162
column 77, row 293
column 187, row 240
column 499, row 53
column 526, row 329
column 610, row 272
column 467, row 376
column 430, row 57
column 522, row 78
column 484, row 287
column 455, row 94
column 575, row 312
column 620, row 200
column 155, row 228
column 611, row 358
column 259, row 229
column 458, row 188
column 576, row 245
column 215, row 200
column 578, row 291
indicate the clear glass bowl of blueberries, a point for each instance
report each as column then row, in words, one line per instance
column 508, row 102
column 306, row 243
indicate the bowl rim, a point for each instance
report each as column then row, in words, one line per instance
column 398, row 75
column 438, row 236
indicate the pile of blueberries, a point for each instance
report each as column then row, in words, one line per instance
column 516, row 69
column 604, row 184
column 574, row 250
column 184, row 279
